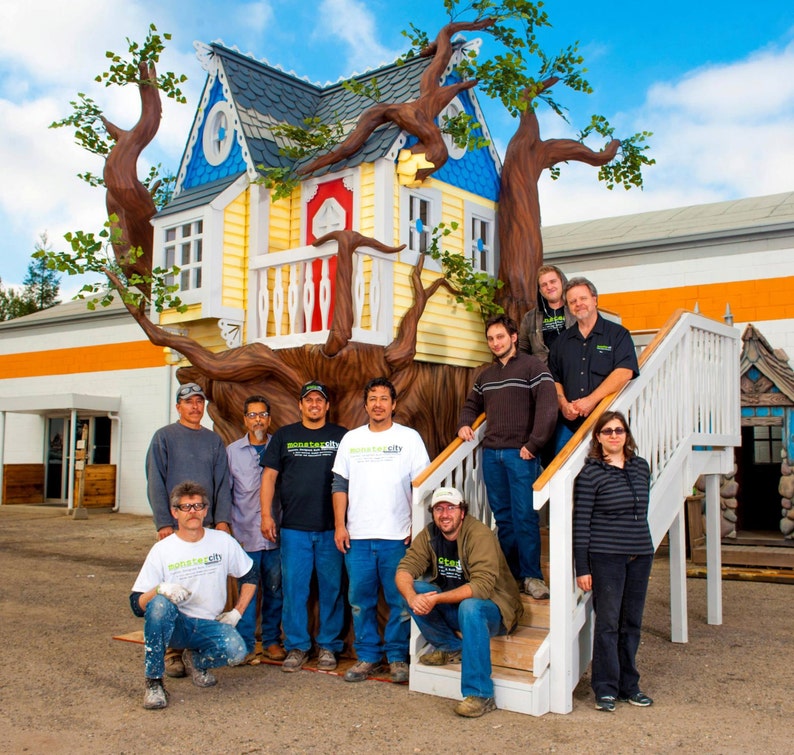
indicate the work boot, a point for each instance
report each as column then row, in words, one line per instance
column 440, row 657
column 398, row 670
column 536, row 588
column 326, row 660
column 155, row 696
column 474, row 707
column 173, row 664
column 200, row 677
column 360, row 671
column 294, row 661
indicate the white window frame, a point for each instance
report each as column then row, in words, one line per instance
column 408, row 232
column 189, row 236
column 474, row 213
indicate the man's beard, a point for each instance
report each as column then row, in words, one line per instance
column 260, row 434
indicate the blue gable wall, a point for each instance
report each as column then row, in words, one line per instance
column 199, row 171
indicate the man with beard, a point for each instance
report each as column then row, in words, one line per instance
column 461, row 593
column 516, row 393
column 245, row 456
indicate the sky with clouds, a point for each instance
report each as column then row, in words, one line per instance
column 713, row 80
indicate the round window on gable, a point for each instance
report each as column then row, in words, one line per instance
column 218, row 133
column 450, row 111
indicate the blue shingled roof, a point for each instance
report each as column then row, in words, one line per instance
column 263, row 96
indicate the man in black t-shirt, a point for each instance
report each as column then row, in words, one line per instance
column 299, row 459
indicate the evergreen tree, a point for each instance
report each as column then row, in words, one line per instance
column 11, row 303
column 41, row 283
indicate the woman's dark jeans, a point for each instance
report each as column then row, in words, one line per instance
column 620, row 584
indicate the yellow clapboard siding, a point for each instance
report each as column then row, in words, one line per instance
column 235, row 259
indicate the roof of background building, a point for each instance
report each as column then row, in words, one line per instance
column 682, row 224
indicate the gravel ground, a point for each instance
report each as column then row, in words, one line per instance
column 67, row 687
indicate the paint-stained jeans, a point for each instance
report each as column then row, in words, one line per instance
column 215, row 644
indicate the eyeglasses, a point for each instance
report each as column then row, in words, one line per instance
column 445, row 507
column 191, row 506
column 613, row 431
column 254, row 415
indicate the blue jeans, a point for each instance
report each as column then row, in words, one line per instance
column 371, row 563
column 301, row 554
column 508, row 481
column 268, row 568
column 562, row 434
column 620, row 583
column 477, row 620
column 165, row 625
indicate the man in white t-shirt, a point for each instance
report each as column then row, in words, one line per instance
column 181, row 593
column 373, row 470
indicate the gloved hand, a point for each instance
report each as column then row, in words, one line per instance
column 229, row 617
column 175, row 592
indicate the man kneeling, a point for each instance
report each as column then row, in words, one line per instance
column 181, row 592
column 469, row 591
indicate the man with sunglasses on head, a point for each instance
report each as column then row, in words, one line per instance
column 460, row 592
column 181, row 593
column 245, row 472
column 184, row 450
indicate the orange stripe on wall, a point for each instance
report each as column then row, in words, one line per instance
column 750, row 301
column 114, row 356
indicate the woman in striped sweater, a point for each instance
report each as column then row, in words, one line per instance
column 613, row 553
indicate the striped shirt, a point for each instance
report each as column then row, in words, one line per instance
column 520, row 401
column 610, row 511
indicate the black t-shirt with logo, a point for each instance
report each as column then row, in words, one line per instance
column 303, row 459
column 553, row 324
column 450, row 571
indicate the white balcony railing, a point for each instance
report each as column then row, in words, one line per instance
column 294, row 296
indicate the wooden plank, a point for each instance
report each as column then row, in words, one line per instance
column 23, row 483
column 99, row 486
column 517, row 650
column 536, row 613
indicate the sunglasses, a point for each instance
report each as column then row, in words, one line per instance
column 609, row 431
column 190, row 390
column 254, row 415
column 191, row 506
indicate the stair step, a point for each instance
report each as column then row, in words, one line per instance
column 517, row 650
column 536, row 613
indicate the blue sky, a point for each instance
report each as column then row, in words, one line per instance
column 713, row 80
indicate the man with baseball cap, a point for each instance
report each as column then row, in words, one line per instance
column 299, row 458
column 460, row 592
column 184, row 450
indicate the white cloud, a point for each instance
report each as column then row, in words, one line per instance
column 353, row 23
column 720, row 132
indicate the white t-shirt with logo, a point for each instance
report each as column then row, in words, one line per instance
column 379, row 468
column 201, row 567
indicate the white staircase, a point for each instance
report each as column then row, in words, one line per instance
column 684, row 412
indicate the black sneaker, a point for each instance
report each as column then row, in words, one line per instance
column 155, row 696
column 606, row 703
column 640, row 699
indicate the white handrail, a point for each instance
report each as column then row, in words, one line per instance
column 684, row 412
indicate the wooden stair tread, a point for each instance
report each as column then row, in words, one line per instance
column 517, row 650
column 536, row 612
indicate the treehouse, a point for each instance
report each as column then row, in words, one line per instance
column 251, row 268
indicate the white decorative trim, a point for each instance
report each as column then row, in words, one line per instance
column 220, row 119
column 450, row 111
column 231, row 332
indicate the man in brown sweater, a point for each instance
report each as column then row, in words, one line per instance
column 518, row 396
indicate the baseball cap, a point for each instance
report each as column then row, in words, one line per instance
column 446, row 495
column 190, row 389
column 314, row 385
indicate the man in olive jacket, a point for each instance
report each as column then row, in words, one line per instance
column 455, row 579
